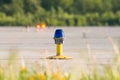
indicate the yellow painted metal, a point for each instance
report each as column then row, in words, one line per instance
column 59, row 49
column 59, row 57
column 59, row 54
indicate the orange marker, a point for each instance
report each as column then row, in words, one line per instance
column 43, row 26
column 38, row 26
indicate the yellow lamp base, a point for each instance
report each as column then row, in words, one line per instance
column 59, row 57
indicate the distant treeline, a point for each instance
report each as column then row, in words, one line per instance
column 60, row 12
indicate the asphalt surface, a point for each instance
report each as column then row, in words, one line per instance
column 86, row 46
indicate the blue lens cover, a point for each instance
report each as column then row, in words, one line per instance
column 59, row 33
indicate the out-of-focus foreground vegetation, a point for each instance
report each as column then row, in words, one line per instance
column 15, row 70
column 60, row 12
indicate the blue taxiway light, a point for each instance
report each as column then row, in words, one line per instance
column 59, row 33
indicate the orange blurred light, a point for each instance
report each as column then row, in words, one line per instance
column 38, row 26
column 43, row 26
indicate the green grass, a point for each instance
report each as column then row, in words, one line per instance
column 11, row 71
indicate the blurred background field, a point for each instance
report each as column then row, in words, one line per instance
column 60, row 12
